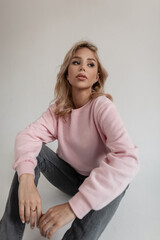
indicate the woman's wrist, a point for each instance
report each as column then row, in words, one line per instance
column 26, row 177
column 71, row 210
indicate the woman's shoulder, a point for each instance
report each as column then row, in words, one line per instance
column 103, row 106
column 102, row 101
column 51, row 108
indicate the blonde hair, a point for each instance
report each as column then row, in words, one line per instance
column 63, row 93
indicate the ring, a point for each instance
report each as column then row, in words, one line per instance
column 33, row 210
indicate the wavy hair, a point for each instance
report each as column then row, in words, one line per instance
column 63, row 89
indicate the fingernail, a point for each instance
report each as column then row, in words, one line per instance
column 23, row 221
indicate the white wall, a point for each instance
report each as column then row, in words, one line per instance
column 35, row 35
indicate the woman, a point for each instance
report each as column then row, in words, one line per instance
column 94, row 163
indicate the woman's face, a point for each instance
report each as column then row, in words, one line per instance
column 83, row 69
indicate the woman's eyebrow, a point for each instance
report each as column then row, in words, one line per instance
column 87, row 58
column 91, row 59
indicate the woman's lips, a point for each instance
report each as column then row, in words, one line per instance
column 81, row 76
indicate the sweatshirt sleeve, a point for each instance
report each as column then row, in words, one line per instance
column 29, row 141
column 116, row 171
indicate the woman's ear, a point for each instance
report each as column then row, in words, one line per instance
column 97, row 77
column 67, row 77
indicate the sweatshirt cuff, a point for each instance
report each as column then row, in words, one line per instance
column 25, row 168
column 79, row 205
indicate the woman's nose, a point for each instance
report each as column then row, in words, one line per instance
column 82, row 68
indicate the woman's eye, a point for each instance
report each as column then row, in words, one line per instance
column 75, row 62
column 91, row 64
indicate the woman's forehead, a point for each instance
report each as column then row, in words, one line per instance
column 85, row 52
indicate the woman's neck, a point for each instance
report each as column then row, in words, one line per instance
column 80, row 97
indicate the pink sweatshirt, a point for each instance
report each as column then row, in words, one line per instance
column 93, row 141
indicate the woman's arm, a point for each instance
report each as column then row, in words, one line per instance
column 116, row 171
column 28, row 142
column 29, row 200
column 27, row 147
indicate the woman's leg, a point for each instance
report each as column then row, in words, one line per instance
column 94, row 223
column 68, row 180
column 58, row 172
column 11, row 227
column 64, row 177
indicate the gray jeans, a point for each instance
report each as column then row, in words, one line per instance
column 65, row 178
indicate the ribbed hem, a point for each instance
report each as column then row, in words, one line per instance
column 25, row 168
column 79, row 205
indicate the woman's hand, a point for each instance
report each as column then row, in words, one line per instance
column 29, row 200
column 55, row 218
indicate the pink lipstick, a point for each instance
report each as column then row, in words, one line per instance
column 81, row 76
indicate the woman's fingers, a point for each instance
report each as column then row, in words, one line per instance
column 27, row 213
column 45, row 226
column 21, row 212
column 42, row 220
column 55, row 218
column 29, row 200
column 39, row 213
column 36, row 213
column 32, row 216
column 52, row 230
